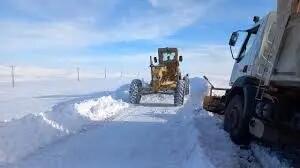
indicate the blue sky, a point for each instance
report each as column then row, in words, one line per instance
column 121, row 34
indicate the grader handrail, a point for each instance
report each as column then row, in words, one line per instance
column 213, row 87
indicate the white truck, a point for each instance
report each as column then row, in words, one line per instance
column 264, row 98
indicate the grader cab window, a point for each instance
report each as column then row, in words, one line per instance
column 168, row 56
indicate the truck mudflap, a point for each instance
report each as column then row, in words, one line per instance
column 272, row 134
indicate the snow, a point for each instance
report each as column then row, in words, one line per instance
column 268, row 158
column 102, row 130
column 34, row 97
column 147, row 135
column 24, row 136
column 65, row 118
column 100, row 109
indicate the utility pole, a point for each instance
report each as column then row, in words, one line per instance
column 123, row 74
column 13, row 75
column 78, row 71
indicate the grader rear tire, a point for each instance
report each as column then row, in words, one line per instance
column 135, row 91
column 179, row 93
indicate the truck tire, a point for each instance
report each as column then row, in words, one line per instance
column 235, row 122
column 179, row 93
column 187, row 86
column 135, row 91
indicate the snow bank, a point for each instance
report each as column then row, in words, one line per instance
column 212, row 145
column 20, row 137
column 211, row 142
column 196, row 157
column 24, row 136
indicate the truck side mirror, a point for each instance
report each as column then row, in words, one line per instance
column 180, row 59
column 256, row 19
column 233, row 39
column 155, row 60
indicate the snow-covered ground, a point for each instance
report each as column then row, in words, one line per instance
column 102, row 130
column 39, row 96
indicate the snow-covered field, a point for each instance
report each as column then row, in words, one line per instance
column 39, row 96
column 90, row 124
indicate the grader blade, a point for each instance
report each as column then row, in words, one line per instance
column 214, row 103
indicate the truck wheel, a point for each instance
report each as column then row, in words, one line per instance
column 179, row 93
column 135, row 91
column 187, row 86
column 235, row 121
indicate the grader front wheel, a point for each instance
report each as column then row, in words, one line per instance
column 179, row 93
column 135, row 91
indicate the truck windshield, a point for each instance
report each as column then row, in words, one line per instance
column 168, row 56
column 248, row 45
column 251, row 34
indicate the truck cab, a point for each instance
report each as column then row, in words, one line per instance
column 261, row 101
column 251, row 48
column 264, row 98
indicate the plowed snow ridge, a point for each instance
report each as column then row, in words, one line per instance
column 24, row 136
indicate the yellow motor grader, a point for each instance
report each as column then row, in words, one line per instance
column 166, row 78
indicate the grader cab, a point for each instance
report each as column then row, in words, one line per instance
column 166, row 78
column 166, row 73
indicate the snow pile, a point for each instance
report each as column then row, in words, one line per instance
column 198, row 87
column 19, row 138
column 101, row 108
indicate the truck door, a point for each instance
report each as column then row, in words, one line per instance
column 242, row 66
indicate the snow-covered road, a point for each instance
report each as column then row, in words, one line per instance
column 139, row 137
column 154, row 134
